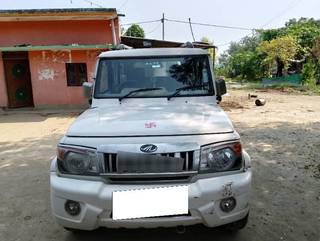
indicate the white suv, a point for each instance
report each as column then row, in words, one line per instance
column 153, row 150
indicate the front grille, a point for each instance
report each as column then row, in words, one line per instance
column 149, row 178
column 111, row 164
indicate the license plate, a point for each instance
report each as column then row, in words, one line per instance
column 155, row 202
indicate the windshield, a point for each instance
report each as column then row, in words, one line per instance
column 165, row 75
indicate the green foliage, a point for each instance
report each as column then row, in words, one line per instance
column 247, row 44
column 275, row 51
column 317, row 71
column 305, row 31
column 308, row 74
column 270, row 34
column 242, row 60
column 316, row 49
column 245, row 64
column 315, row 55
column 222, row 69
column 135, row 31
column 208, row 41
column 279, row 50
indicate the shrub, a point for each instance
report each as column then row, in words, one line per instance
column 309, row 74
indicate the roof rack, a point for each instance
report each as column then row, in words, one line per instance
column 187, row 45
column 156, row 43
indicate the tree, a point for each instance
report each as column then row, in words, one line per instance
column 206, row 40
column 245, row 44
column 135, row 31
column 270, row 34
column 242, row 59
column 309, row 74
column 210, row 51
column 290, row 47
column 247, row 65
column 222, row 67
column 305, row 32
column 316, row 49
column 280, row 51
column 315, row 56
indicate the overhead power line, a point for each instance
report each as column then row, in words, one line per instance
column 190, row 23
column 230, row 42
column 94, row 4
column 123, row 4
column 234, row 41
column 210, row 25
column 291, row 5
column 194, row 23
column 154, row 29
column 145, row 22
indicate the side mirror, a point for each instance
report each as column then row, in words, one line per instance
column 87, row 91
column 221, row 88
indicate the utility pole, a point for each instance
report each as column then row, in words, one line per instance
column 162, row 21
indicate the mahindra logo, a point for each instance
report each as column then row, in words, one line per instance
column 148, row 148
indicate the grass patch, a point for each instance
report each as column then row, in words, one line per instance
column 305, row 90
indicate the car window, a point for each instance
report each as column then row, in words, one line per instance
column 117, row 77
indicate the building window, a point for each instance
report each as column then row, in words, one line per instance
column 76, row 73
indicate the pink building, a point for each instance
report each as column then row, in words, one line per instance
column 46, row 54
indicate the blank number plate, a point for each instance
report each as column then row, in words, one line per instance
column 155, row 202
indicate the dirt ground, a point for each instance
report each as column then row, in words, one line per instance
column 282, row 137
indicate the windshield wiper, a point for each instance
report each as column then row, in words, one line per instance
column 136, row 91
column 189, row 87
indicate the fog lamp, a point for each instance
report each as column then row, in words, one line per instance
column 72, row 207
column 228, row 204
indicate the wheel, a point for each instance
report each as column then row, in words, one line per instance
column 237, row 225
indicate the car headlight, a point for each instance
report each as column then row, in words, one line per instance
column 220, row 158
column 77, row 161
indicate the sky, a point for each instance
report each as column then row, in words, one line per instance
column 252, row 14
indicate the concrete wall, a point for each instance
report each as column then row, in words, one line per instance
column 48, row 75
column 56, row 32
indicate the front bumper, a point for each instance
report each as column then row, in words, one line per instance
column 95, row 198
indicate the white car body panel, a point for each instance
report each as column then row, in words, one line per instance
column 96, row 202
column 153, row 52
column 133, row 118
column 180, row 124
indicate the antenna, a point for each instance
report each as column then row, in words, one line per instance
column 191, row 30
column 162, row 21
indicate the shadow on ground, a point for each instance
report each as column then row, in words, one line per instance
column 33, row 116
column 285, row 194
column 197, row 232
